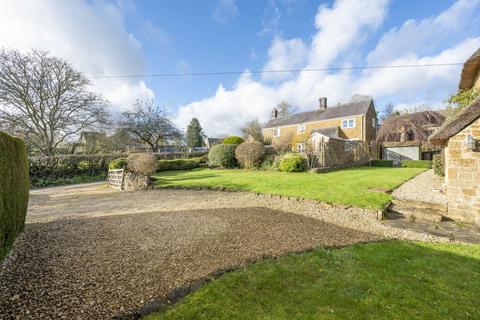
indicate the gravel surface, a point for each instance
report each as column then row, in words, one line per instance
column 426, row 187
column 91, row 252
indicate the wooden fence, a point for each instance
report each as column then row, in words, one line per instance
column 116, row 178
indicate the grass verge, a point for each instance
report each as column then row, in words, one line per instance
column 349, row 186
column 385, row 280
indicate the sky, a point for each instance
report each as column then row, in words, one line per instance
column 125, row 37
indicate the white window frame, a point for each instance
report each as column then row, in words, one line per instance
column 301, row 147
column 374, row 123
column 348, row 123
column 301, row 128
column 276, row 132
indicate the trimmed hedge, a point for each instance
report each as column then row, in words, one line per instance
column 250, row 154
column 438, row 165
column 292, row 163
column 58, row 170
column 181, row 155
column 180, row 164
column 13, row 190
column 381, row 163
column 416, row 164
column 223, row 155
column 232, row 140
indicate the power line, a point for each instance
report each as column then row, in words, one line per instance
column 158, row 75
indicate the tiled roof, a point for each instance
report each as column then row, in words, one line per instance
column 343, row 110
column 331, row 132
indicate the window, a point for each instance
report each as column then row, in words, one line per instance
column 374, row 123
column 348, row 123
column 301, row 147
column 301, row 128
column 276, row 132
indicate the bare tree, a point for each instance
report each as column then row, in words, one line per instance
column 150, row 124
column 252, row 129
column 283, row 109
column 45, row 99
column 388, row 111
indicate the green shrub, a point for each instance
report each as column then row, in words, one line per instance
column 13, row 190
column 181, row 155
column 223, row 155
column 180, row 164
column 381, row 163
column 233, row 140
column 54, row 170
column 416, row 164
column 267, row 164
column 250, row 154
column 120, row 163
column 438, row 165
column 142, row 163
column 292, row 163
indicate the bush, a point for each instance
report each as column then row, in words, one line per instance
column 416, row 164
column 292, row 163
column 223, row 155
column 120, row 163
column 180, row 164
column 438, row 165
column 56, row 170
column 181, row 155
column 381, row 163
column 250, row 154
column 233, row 140
column 141, row 163
column 13, row 190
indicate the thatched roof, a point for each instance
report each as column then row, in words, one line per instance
column 415, row 127
column 470, row 71
column 342, row 110
column 457, row 123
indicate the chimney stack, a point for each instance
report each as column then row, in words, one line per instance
column 275, row 113
column 323, row 103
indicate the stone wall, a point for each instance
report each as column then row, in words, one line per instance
column 462, row 176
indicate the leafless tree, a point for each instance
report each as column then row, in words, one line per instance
column 252, row 129
column 45, row 99
column 283, row 109
column 388, row 111
column 150, row 124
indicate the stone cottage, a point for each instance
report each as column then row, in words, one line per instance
column 460, row 135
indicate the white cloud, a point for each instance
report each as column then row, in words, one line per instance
column 342, row 29
column 284, row 54
column 90, row 35
column 225, row 10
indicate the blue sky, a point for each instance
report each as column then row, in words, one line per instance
column 124, row 37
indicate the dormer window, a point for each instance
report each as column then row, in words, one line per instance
column 348, row 123
column 300, row 128
column 276, row 132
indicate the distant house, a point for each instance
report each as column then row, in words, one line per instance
column 405, row 137
column 90, row 142
column 460, row 135
column 349, row 121
column 210, row 142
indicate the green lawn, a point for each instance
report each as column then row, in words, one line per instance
column 350, row 186
column 387, row 280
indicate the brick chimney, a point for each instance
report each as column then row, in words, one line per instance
column 322, row 103
column 275, row 113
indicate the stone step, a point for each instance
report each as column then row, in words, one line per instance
column 414, row 213
column 419, row 204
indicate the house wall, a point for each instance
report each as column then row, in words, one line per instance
column 397, row 154
column 351, row 133
column 462, row 176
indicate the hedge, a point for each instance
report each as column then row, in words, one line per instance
column 57, row 170
column 232, row 140
column 181, row 155
column 416, row 164
column 292, row 163
column 381, row 163
column 223, row 155
column 120, row 163
column 180, row 164
column 13, row 190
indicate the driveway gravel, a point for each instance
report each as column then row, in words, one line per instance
column 90, row 252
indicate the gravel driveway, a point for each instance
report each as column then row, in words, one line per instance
column 89, row 252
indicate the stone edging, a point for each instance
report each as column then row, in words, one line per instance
column 369, row 213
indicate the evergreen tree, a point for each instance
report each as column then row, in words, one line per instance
column 194, row 134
